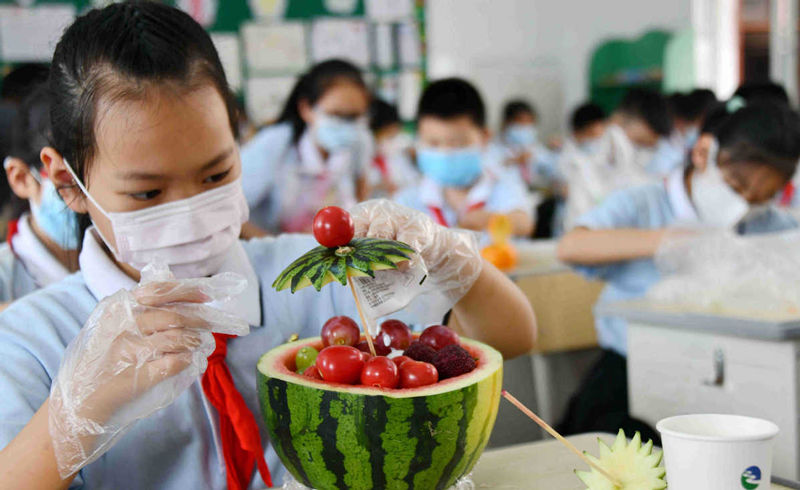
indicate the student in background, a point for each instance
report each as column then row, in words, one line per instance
column 452, row 139
column 635, row 129
column 315, row 155
column 754, row 154
column 392, row 167
column 521, row 149
column 688, row 112
column 42, row 243
column 589, row 179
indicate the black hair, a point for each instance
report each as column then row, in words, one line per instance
column 762, row 91
column 382, row 114
column 312, row 85
column 767, row 133
column 703, row 98
column 514, row 108
column 19, row 82
column 585, row 115
column 649, row 106
column 450, row 98
column 122, row 51
column 714, row 118
column 30, row 133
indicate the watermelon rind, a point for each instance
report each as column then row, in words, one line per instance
column 332, row 436
column 361, row 257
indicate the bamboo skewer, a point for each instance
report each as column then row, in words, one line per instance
column 362, row 316
column 544, row 425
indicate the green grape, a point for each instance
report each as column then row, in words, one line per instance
column 305, row 357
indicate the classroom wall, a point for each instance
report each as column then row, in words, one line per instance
column 544, row 45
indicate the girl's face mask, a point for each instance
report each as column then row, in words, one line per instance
column 190, row 235
column 334, row 133
column 717, row 204
column 521, row 134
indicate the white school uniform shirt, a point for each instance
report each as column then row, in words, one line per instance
column 651, row 206
column 285, row 184
column 26, row 264
column 175, row 448
column 500, row 194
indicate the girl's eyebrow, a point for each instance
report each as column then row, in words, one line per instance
column 140, row 175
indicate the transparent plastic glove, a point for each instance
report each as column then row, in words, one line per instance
column 451, row 256
column 136, row 354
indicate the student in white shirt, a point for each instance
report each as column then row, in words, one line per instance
column 315, row 155
column 392, row 166
column 42, row 243
column 523, row 151
column 456, row 190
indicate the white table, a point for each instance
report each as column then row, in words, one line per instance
column 539, row 465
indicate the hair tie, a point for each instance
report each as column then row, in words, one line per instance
column 735, row 103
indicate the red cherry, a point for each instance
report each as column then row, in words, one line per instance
column 380, row 349
column 340, row 330
column 415, row 373
column 380, row 372
column 340, row 364
column 396, row 334
column 438, row 336
column 333, row 227
column 312, row 372
column 399, row 360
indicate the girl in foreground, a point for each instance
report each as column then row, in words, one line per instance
column 144, row 142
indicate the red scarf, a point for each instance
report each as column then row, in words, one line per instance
column 788, row 195
column 238, row 430
column 13, row 229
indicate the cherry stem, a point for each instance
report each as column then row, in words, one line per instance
column 363, row 317
column 544, row 425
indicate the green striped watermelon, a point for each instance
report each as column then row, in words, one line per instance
column 360, row 257
column 332, row 436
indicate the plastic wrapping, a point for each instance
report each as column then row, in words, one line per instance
column 136, row 354
column 451, row 256
column 722, row 273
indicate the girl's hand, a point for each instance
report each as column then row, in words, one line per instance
column 138, row 351
column 451, row 256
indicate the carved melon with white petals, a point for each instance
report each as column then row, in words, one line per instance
column 634, row 465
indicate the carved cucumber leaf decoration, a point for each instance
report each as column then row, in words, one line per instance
column 361, row 257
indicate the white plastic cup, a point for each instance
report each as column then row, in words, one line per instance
column 717, row 452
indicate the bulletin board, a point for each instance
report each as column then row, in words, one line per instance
column 264, row 44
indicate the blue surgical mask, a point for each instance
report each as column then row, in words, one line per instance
column 335, row 133
column 451, row 168
column 690, row 137
column 590, row 147
column 521, row 134
column 54, row 217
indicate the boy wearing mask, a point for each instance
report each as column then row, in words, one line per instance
column 452, row 141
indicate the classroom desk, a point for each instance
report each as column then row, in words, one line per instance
column 539, row 465
column 565, row 349
column 682, row 362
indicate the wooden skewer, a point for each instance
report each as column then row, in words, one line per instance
column 362, row 316
column 544, row 425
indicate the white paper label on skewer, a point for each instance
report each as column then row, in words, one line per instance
column 390, row 291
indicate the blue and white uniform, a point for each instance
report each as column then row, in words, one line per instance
column 176, row 447
column 650, row 206
column 286, row 183
column 26, row 264
column 501, row 194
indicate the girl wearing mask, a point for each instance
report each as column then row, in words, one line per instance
column 752, row 154
column 523, row 153
column 456, row 190
column 42, row 243
column 144, row 143
column 315, row 155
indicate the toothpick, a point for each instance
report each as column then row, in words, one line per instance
column 363, row 317
column 558, row 436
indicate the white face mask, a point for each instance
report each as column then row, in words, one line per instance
column 717, row 204
column 191, row 235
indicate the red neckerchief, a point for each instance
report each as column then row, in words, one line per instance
column 788, row 195
column 438, row 215
column 380, row 162
column 238, row 430
column 13, row 229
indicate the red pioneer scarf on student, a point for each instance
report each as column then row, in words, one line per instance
column 238, row 430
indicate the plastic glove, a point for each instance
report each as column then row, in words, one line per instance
column 451, row 256
column 136, row 354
